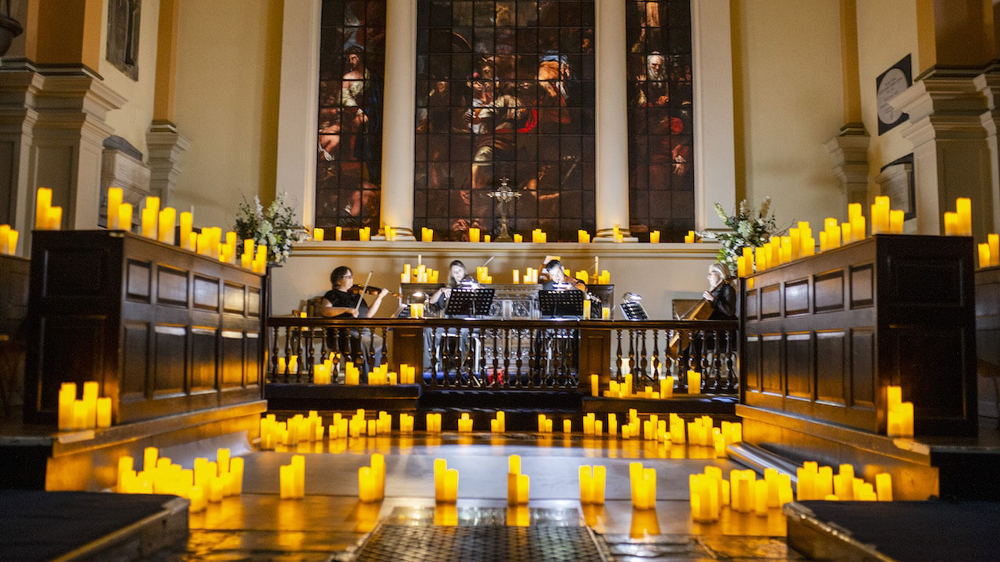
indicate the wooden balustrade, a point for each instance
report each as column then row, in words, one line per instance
column 510, row 354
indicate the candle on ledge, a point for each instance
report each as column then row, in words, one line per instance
column 113, row 204
column 338, row 233
column 518, row 238
column 103, row 412
column 67, row 396
column 165, row 225
column 963, row 209
column 318, row 234
column 654, row 237
column 689, row 237
column 896, row 222
column 950, row 224
column 43, row 201
column 993, row 240
column 694, row 382
column 55, row 218
column 364, row 234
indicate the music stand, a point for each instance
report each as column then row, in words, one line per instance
column 560, row 303
column 634, row 311
column 469, row 302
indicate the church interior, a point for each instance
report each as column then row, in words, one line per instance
column 299, row 279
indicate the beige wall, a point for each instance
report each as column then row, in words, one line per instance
column 887, row 32
column 228, row 63
column 132, row 121
column 789, row 104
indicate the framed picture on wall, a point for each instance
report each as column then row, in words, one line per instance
column 888, row 85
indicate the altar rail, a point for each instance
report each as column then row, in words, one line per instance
column 511, row 354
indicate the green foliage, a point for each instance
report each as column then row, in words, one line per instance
column 274, row 227
column 748, row 228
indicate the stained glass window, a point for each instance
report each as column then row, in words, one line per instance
column 349, row 141
column 505, row 89
column 661, row 175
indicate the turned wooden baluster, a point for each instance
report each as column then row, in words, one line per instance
column 618, row 360
column 533, row 359
column 519, row 355
column 656, row 354
column 435, row 353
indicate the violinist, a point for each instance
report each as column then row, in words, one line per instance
column 458, row 277
column 343, row 300
column 558, row 280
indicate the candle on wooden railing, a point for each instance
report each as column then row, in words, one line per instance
column 896, row 222
column 950, row 224
column 55, row 218
column 694, row 382
column 112, row 207
column 165, row 225
column 43, row 201
column 993, row 241
column 963, row 210
column 880, row 215
column 984, row 255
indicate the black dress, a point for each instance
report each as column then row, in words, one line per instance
column 347, row 341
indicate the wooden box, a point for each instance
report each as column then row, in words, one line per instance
column 824, row 336
column 163, row 330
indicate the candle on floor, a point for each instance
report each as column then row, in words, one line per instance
column 567, row 426
column 366, row 484
column 440, row 468
column 451, row 486
column 586, row 485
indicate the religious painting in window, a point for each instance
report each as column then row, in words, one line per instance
column 661, row 175
column 349, row 141
column 505, row 90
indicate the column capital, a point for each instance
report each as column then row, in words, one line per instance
column 849, row 154
column 165, row 145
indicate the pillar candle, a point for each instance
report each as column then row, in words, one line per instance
column 883, row 485
column 67, row 396
column 694, row 382
column 364, row 234
column 299, row 464
column 894, row 397
column 440, row 468
column 586, row 485
column 518, row 238
column 286, row 481
column 523, row 485
column 103, row 412
column 55, row 218
column 984, row 255
column 950, row 224
column 451, row 485
column 595, row 381
column 896, row 222
column 43, row 201
column 113, row 205
column 473, row 234
column 165, row 225
column 963, row 210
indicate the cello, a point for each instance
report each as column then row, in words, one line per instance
column 701, row 311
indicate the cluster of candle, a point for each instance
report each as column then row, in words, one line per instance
column 291, row 364
column 743, row 492
column 207, row 482
column 352, row 374
column 989, row 253
column 8, row 240
column 433, row 423
column 295, row 430
column 689, row 238
column 545, row 424
column 900, row 414
column 119, row 214
column 323, row 372
column 365, row 233
column 87, row 413
column 499, row 423
column 884, row 219
column 405, row 423
column 390, row 233
column 47, row 217
column 371, row 480
column 518, row 485
column 819, row 483
column 483, row 274
column 465, row 424
column 445, row 482
column 417, row 310
column 427, row 234
column 379, row 376
column 419, row 274
column 583, row 237
column 530, row 276
column 593, row 480
column 292, row 479
column 643, row 486
column 654, row 237
column 617, row 234
column 959, row 223
column 539, row 237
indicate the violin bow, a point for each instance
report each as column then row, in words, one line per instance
column 361, row 297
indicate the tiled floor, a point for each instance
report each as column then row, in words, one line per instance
column 329, row 522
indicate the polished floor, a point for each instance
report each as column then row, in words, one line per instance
column 330, row 523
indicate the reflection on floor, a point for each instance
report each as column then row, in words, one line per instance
column 330, row 523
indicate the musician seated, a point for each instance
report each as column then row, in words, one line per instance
column 721, row 296
column 558, row 280
column 345, row 300
column 450, row 346
column 458, row 278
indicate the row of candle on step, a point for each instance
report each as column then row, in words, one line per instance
column 899, row 422
column 624, row 389
column 419, row 274
column 8, row 240
column 208, row 481
column 743, row 492
column 293, row 431
column 819, row 483
column 87, row 413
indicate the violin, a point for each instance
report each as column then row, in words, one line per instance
column 369, row 290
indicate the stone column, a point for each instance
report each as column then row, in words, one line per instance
column 950, row 151
column 611, row 138
column 849, row 153
column 165, row 145
column 989, row 85
column 398, row 113
column 18, row 116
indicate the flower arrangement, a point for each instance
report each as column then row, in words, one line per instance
column 274, row 226
column 749, row 227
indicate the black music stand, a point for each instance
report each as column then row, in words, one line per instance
column 469, row 302
column 634, row 311
column 560, row 303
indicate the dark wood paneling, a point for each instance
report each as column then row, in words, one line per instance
column 128, row 311
column 234, row 301
column 797, row 297
column 798, row 365
column 171, row 286
column 863, row 380
column 831, row 372
column 206, row 293
column 204, row 358
column 139, row 280
column 171, row 359
column 892, row 309
column 135, row 360
column 862, row 286
column 751, row 371
column 233, row 359
column 752, row 307
column 830, row 291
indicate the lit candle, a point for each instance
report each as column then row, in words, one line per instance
column 113, row 205
column 896, row 222
column 567, row 426
column 600, row 480
column 654, row 237
column 950, row 224
column 286, row 480
column 299, row 465
column 595, row 381
column 694, row 382
column 378, row 470
column 523, row 484
column 103, row 412
column 963, row 208
column 149, row 215
column 906, row 419
column 236, row 469
column 67, row 396
column 586, row 485
column 338, row 233
column 91, row 391
column 55, row 218
column 993, row 240
column 473, row 234
column 894, row 397
column 518, row 238
column 43, row 201
column 451, row 485
column 586, row 309
column 165, row 225
column 883, row 485
column 149, row 456
column 366, row 485
column 364, row 234
column 605, row 313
